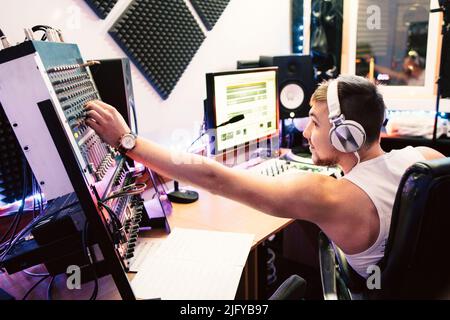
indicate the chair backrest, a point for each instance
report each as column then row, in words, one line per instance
column 417, row 256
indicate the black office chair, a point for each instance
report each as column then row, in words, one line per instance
column 417, row 256
column 293, row 288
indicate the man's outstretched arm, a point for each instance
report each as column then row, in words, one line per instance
column 296, row 196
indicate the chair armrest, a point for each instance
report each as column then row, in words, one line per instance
column 293, row 288
column 328, row 271
column 350, row 278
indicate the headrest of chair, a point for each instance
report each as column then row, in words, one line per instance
column 436, row 167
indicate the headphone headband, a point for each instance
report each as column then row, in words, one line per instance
column 334, row 108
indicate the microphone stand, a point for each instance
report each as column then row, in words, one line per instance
column 189, row 196
column 182, row 195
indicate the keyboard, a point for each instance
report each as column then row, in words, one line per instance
column 277, row 167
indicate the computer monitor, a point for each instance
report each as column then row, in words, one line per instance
column 248, row 92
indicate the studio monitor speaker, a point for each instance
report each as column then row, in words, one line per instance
column 113, row 80
column 295, row 83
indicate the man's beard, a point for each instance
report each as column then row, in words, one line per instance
column 326, row 162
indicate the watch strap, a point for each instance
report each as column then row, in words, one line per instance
column 122, row 150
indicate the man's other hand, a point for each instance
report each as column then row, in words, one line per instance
column 106, row 121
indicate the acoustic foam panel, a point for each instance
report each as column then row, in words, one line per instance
column 101, row 7
column 161, row 37
column 11, row 163
column 209, row 10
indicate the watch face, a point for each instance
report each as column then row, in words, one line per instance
column 128, row 141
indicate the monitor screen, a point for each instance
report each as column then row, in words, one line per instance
column 248, row 92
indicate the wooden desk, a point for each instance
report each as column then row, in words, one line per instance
column 214, row 212
column 211, row 212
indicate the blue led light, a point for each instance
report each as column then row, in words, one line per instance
column 28, row 202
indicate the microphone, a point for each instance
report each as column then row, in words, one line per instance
column 293, row 288
column 234, row 119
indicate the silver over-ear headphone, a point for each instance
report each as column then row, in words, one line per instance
column 345, row 135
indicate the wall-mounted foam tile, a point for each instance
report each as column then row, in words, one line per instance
column 102, row 7
column 209, row 10
column 161, row 37
column 11, row 163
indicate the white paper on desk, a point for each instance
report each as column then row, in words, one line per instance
column 194, row 265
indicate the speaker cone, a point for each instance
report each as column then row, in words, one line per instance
column 292, row 96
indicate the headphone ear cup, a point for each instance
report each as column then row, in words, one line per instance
column 348, row 136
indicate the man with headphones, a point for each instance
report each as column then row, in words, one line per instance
column 344, row 129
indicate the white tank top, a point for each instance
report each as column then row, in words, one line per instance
column 379, row 178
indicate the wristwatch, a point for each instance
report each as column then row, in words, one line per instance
column 127, row 142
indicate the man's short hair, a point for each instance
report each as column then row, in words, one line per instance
column 360, row 101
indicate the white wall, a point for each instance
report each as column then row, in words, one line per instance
column 247, row 29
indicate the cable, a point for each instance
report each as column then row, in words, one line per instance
column 28, row 228
column 42, row 28
column 133, row 108
column 50, row 288
column 41, row 201
column 33, row 193
column 134, row 187
column 89, row 63
column 129, row 190
column 161, row 182
column 33, row 287
column 117, row 224
column 358, row 158
column 201, row 135
column 41, row 198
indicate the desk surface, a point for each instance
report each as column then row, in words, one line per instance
column 217, row 213
column 211, row 212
